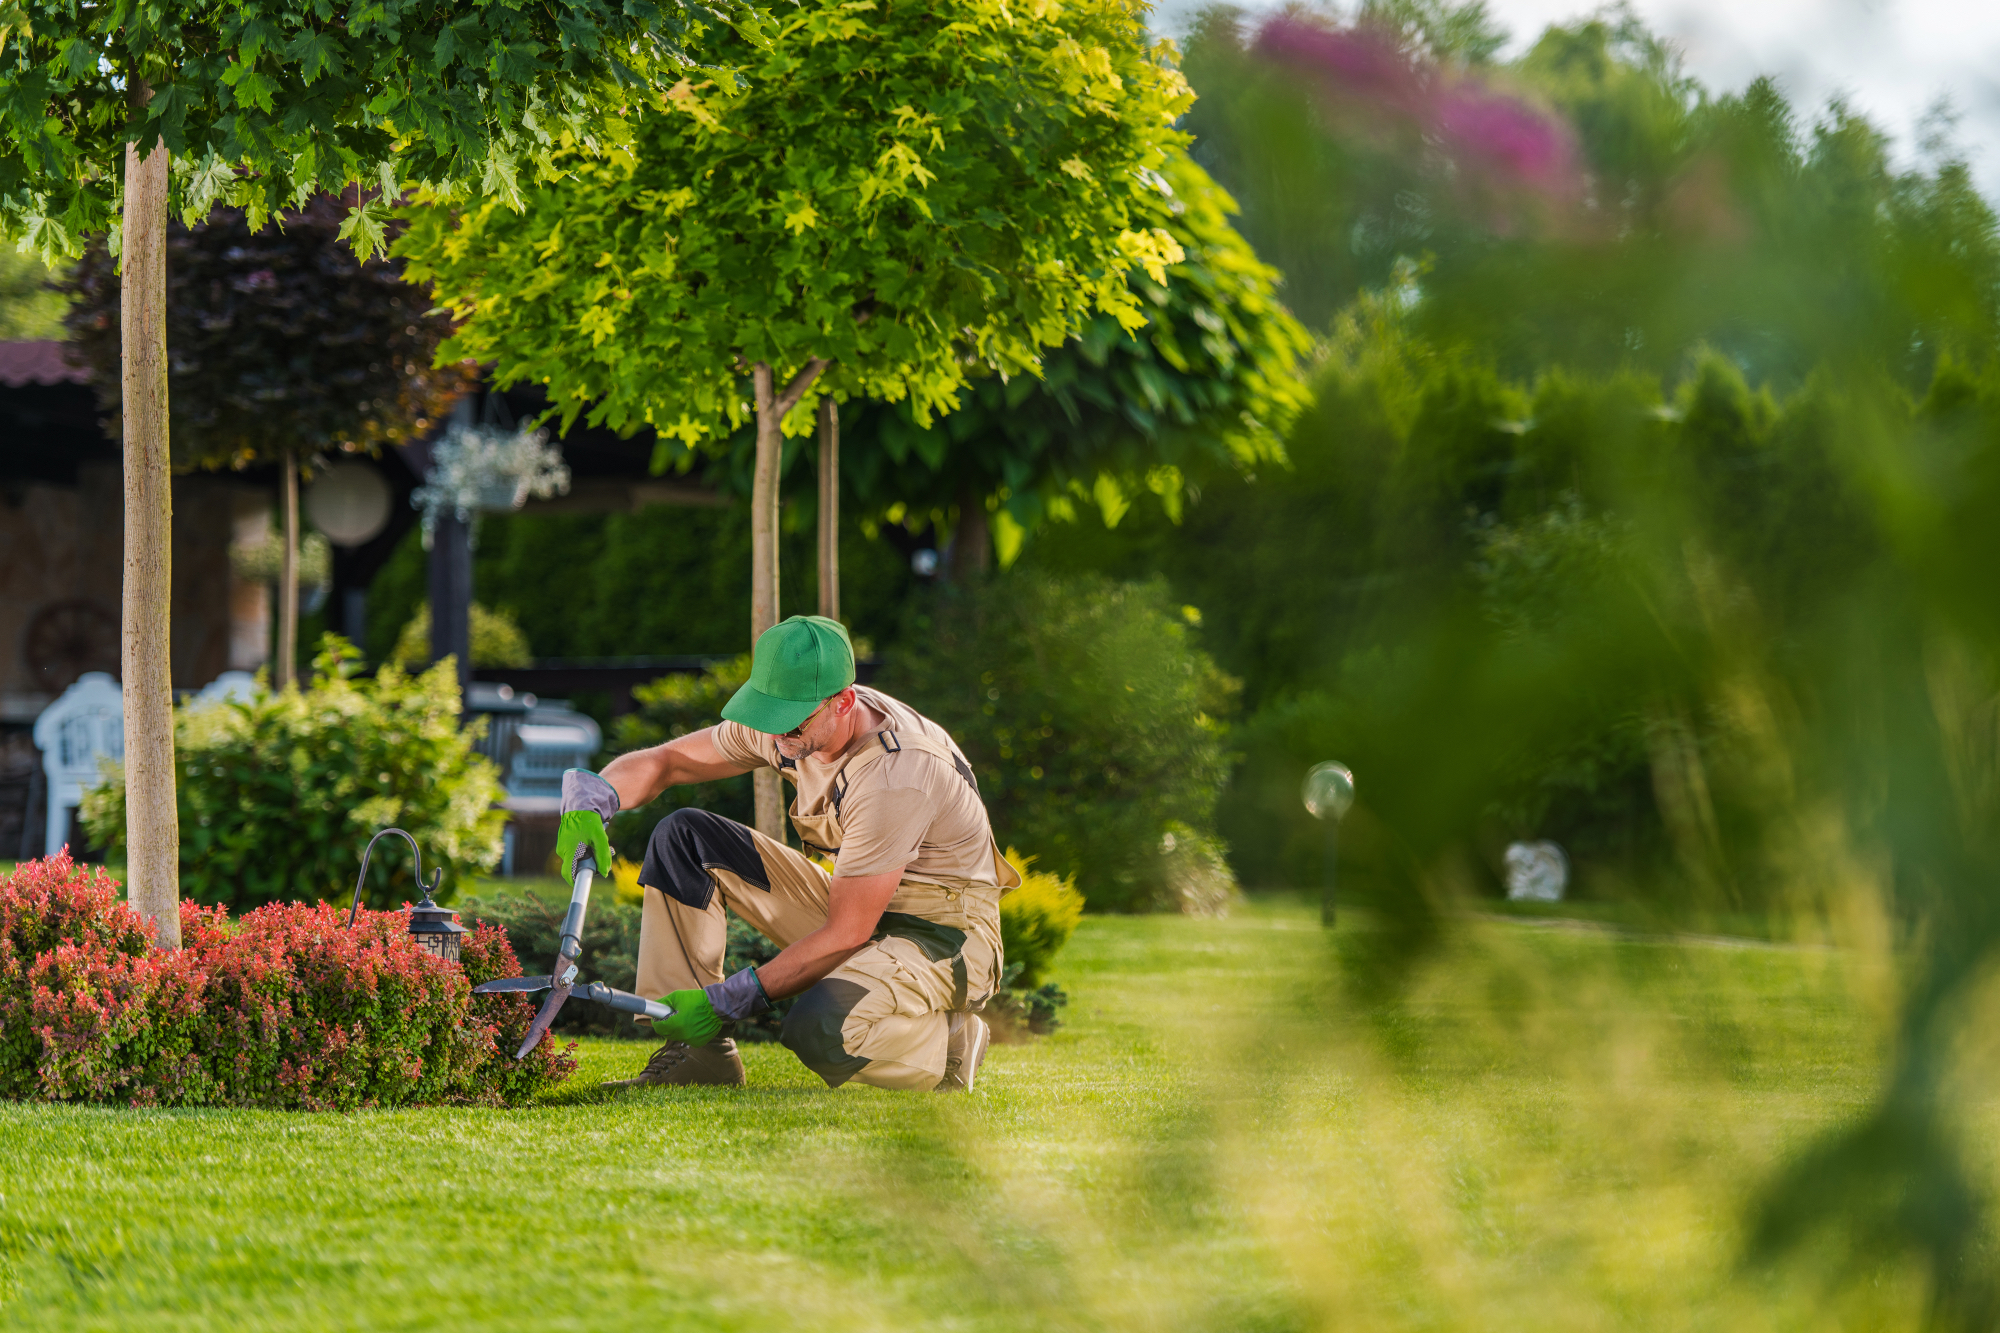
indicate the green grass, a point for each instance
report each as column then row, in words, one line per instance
column 1555, row 1129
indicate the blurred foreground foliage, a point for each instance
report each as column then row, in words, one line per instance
column 1647, row 503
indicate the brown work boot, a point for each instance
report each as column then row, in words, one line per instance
column 964, row 1053
column 678, row 1064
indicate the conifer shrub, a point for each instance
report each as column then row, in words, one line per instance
column 1093, row 720
column 285, row 1007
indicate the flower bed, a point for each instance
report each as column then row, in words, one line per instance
column 283, row 1007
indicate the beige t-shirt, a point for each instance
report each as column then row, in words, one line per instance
column 910, row 810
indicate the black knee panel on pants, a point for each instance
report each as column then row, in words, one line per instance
column 812, row 1030
column 687, row 843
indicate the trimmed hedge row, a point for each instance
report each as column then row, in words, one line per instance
column 284, row 1007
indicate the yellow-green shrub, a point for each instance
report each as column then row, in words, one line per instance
column 496, row 640
column 1036, row 920
column 279, row 793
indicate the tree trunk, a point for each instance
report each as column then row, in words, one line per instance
column 152, row 819
column 971, row 546
column 771, row 409
column 829, row 508
column 288, row 579
column 768, row 789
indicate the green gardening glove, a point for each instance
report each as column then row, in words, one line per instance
column 582, row 830
column 587, row 802
column 693, row 1021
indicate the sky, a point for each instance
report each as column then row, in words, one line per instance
column 1892, row 59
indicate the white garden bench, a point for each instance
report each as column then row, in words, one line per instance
column 77, row 731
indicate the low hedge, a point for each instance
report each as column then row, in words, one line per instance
column 284, row 1007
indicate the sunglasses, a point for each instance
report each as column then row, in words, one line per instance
column 793, row 734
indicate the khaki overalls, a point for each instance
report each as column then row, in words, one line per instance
column 882, row 1016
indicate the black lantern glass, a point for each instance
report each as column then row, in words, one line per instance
column 436, row 929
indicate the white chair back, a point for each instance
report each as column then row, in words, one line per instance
column 84, row 726
column 229, row 687
column 554, row 741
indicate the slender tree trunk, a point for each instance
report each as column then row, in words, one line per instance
column 771, row 408
column 288, row 579
column 152, row 819
column 829, row 508
column 768, row 789
column 971, row 545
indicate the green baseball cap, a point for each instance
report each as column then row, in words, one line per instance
column 797, row 664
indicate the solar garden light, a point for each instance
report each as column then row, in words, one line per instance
column 435, row 929
column 1328, row 792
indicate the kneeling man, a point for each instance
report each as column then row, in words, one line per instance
column 890, row 954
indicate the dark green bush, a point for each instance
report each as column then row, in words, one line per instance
column 669, row 707
column 533, row 922
column 667, row 579
column 279, row 795
column 1093, row 721
column 1015, row 1013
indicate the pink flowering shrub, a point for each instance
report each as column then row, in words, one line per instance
column 284, row 1007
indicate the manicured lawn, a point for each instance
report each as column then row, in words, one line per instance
column 1562, row 1128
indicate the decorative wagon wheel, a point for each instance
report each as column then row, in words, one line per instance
column 66, row 639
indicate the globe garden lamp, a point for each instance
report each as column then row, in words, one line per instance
column 350, row 503
column 1328, row 792
column 435, row 929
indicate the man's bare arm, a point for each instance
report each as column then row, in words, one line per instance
column 853, row 908
column 644, row 774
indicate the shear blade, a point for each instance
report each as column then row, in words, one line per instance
column 513, row 986
column 545, row 1016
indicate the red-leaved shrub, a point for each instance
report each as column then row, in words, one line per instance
column 286, row 1007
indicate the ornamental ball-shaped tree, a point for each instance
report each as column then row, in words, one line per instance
column 282, row 340
column 286, row 345
column 1210, row 384
column 893, row 193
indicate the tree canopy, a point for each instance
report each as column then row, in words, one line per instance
column 905, row 191
column 1209, row 385
column 263, row 103
column 281, row 340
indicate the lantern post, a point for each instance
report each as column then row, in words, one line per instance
column 1328, row 793
column 435, row 929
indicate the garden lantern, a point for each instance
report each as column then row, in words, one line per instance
column 435, row 929
column 1328, row 792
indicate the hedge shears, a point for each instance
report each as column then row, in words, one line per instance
column 561, row 983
